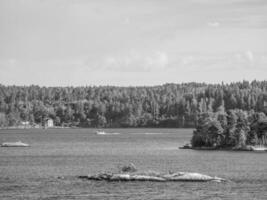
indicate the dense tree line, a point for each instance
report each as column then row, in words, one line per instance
column 169, row 105
column 234, row 129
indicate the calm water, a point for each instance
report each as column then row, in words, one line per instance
column 32, row 173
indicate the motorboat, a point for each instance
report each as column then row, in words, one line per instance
column 186, row 146
column 99, row 132
column 259, row 148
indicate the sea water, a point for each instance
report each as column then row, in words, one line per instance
column 48, row 169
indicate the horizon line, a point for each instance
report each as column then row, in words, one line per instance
column 129, row 86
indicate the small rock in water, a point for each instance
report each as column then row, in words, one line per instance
column 129, row 168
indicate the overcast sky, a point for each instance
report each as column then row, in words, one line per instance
column 132, row 42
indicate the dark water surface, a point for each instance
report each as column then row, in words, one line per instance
column 32, row 173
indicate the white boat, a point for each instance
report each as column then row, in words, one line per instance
column 259, row 148
column 101, row 132
column 14, row 144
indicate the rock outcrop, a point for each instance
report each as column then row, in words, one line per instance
column 179, row 176
column 14, row 144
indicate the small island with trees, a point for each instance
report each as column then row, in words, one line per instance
column 233, row 130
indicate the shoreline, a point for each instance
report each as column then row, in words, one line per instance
column 106, row 128
column 246, row 148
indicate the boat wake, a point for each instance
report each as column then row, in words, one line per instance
column 105, row 133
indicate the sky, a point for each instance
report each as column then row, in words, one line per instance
column 132, row 42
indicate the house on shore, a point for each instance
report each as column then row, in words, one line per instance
column 49, row 123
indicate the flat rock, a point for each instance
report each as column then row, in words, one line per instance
column 179, row 176
column 14, row 144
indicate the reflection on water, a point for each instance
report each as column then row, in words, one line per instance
column 32, row 173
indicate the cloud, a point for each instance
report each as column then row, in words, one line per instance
column 127, row 21
column 134, row 61
column 8, row 63
column 187, row 60
column 214, row 24
column 159, row 61
column 249, row 55
column 243, row 60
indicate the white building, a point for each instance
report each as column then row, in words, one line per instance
column 49, row 123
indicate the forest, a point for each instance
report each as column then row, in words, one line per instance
column 168, row 105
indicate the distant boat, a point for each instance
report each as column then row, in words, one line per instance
column 259, row 148
column 14, row 144
column 186, row 146
column 99, row 132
